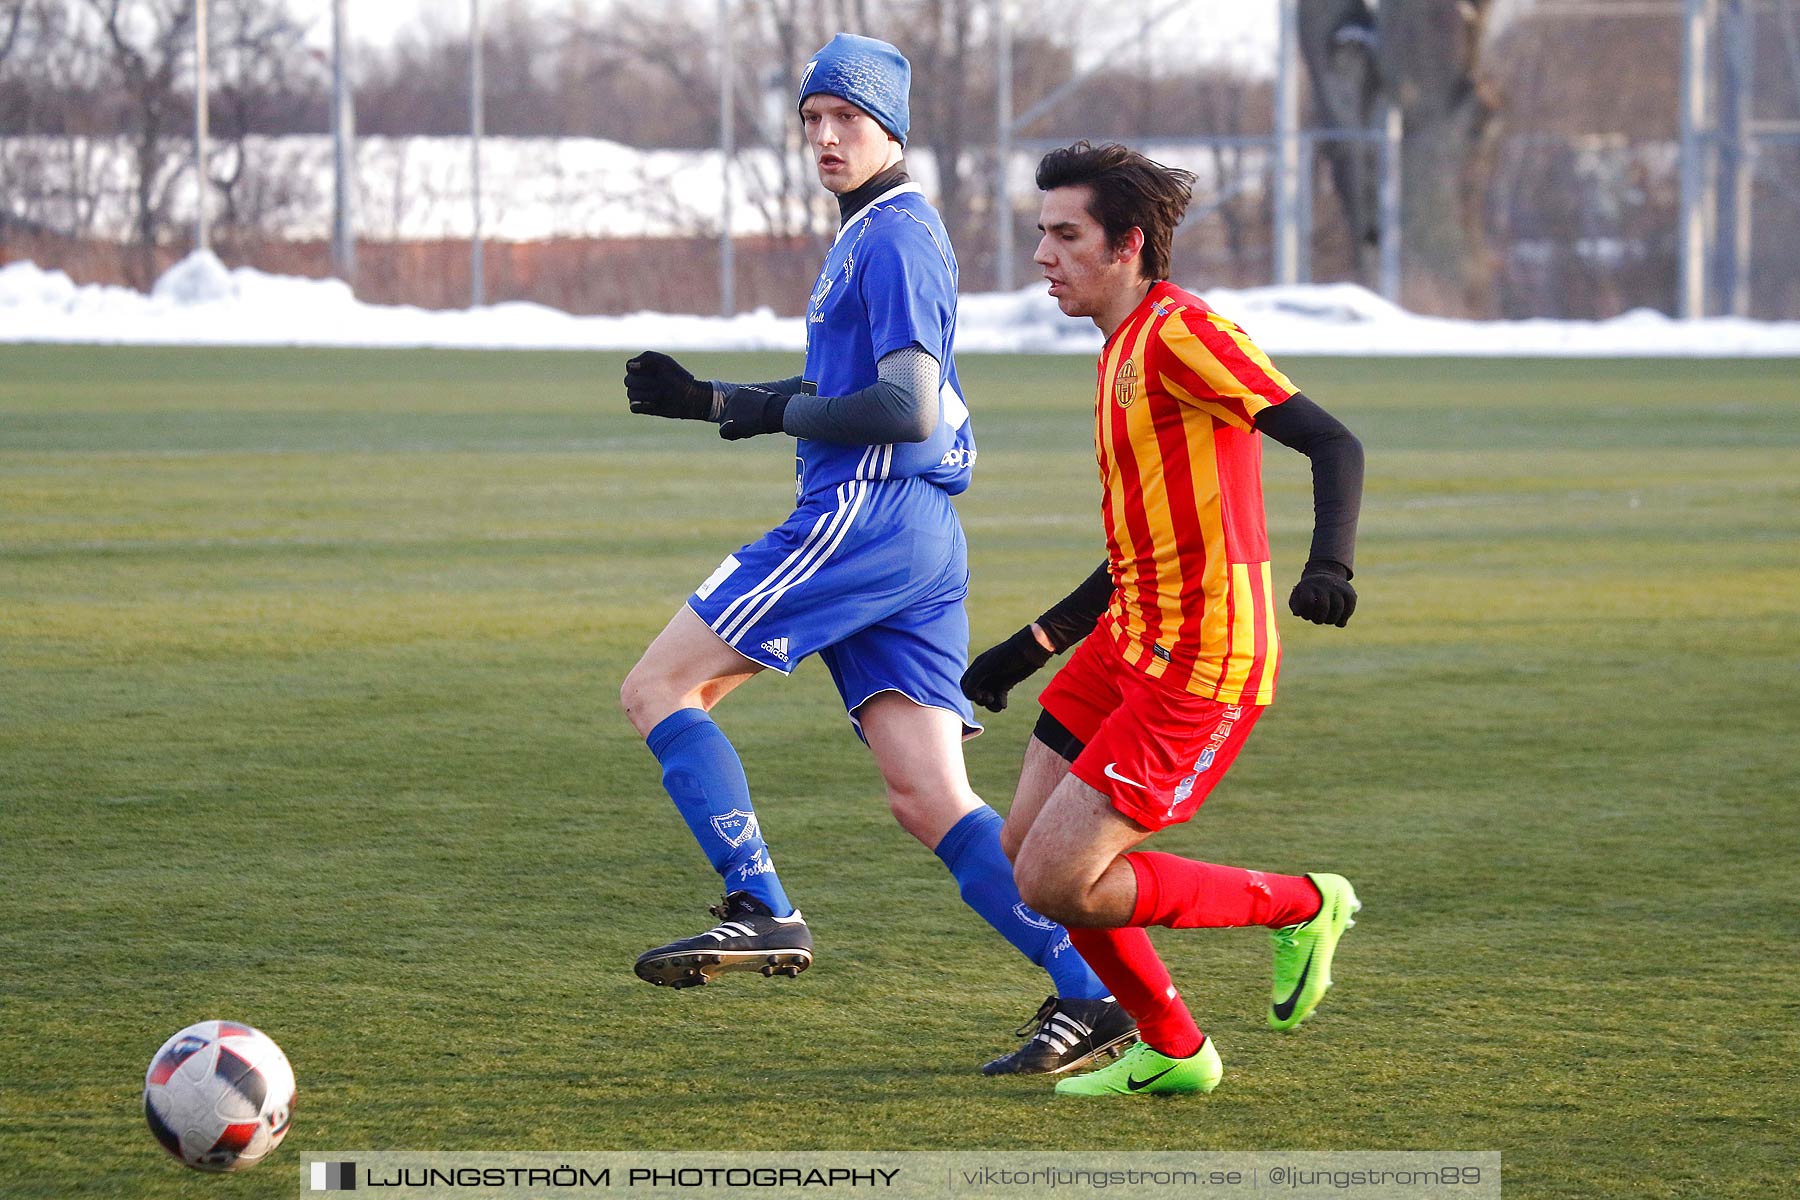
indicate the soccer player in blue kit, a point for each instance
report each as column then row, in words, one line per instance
column 869, row 572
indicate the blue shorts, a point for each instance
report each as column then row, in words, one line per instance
column 870, row 576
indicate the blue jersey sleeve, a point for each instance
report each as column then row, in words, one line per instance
column 908, row 288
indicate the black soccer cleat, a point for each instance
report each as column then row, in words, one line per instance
column 748, row 937
column 1066, row 1034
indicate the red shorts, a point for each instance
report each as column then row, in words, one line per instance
column 1157, row 751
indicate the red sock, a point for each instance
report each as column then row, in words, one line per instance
column 1184, row 894
column 1127, row 963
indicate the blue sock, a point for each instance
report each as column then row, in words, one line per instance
column 704, row 778
column 972, row 852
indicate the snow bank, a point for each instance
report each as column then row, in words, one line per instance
column 200, row 302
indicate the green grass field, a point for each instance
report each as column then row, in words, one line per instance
column 309, row 665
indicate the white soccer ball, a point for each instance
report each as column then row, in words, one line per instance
column 219, row 1096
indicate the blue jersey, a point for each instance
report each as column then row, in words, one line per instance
column 888, row 283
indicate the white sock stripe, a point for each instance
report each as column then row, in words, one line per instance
column 841, row 529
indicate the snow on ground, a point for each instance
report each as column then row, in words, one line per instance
column 200, row 302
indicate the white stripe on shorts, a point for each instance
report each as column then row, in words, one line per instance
column 797, row 567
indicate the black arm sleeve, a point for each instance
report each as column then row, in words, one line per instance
column 901, row 406
column 1072, row 618
column 1337, row 470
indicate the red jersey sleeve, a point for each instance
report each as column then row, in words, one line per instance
column 1208, row 362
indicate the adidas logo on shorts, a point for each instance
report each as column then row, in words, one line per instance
column 778, row 647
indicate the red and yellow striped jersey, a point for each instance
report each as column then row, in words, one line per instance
column 1181, row 478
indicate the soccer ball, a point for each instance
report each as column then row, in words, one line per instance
column 219, row 1096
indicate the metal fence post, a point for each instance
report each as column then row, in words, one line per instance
column 343, row 149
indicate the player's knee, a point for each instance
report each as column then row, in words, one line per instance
column 1040, row 889
column 1011, row 838
column 905, row 807
column 921, row 811
column 639, row 697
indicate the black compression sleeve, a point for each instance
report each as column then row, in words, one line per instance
column 876, row 415
column 901, row 406
column 1337, row 470
column 1072, row 618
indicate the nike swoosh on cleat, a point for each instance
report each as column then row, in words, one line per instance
column 1285, row 1009
column 1138, row 1085
column 1112, row 774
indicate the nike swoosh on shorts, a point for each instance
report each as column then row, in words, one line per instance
column 1112, row 774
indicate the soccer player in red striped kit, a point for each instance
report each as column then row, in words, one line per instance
column 1150, row 711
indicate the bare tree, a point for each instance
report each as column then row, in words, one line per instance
column 261, row 87
column 1425, row 55
column 1341, row 48
column 945, row 92
column 148, row 42
column 12, row 17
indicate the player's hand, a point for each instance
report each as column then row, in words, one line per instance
column 750, row 410
column 998, row 670
column 659, row 386
column 1323, row 595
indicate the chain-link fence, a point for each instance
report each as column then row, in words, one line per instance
column 1521, row 158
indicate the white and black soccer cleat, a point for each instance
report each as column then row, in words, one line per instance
column 1066, row 1034
column 748, row 937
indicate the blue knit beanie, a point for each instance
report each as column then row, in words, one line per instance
column 868, row 73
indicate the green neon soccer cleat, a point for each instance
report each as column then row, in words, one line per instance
column 1146, row 1072
column 1303, row 953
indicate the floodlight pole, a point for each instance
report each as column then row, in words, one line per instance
column 477, row 105
column 1737, row 65
column 1696, row 23
column 1287, row 147
column 1003, row 123
column 201, row 104
column 343, row 149
column 727, row 155
column 1393, row 131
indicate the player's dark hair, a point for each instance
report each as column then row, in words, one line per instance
column 1125, row 191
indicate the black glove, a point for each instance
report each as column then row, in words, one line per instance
column 750, row 410
column 998, row 670
column 1323, row 595
column 658, row 386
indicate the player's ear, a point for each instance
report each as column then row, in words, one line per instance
column 1131, row 245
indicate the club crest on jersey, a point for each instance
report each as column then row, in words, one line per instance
column 735, row 827
column 822, row 290
column 1125, row 384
